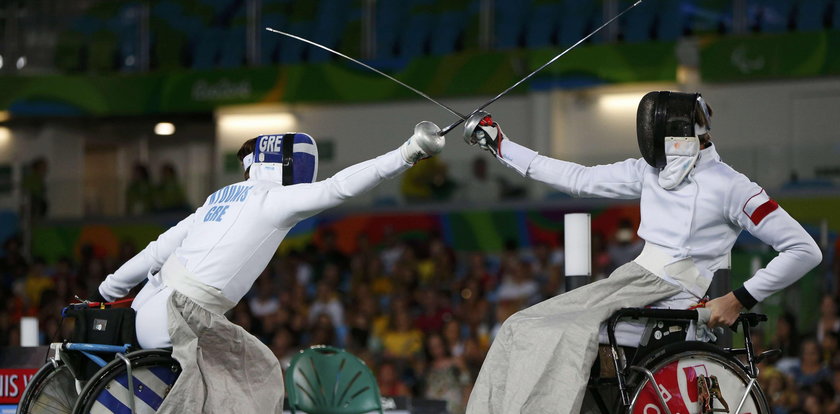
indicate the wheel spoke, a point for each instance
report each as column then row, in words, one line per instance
column 55, row 395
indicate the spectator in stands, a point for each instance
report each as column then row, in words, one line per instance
column 814, row 404
column 835, row 270
column 401, row 340
column 601, row 261
column 446, row 375
column 35, row 187
column 477, row 270
column 283, row 346
column 829, row 321
column 811, row 369
column 392, row 250
column 780, row 391
column 390, row 384
column 169, row 193
column 474, row 351
column 37, row 281
column 360, row 326
column 140, row 193
column 95, row 270
column 330, row 254
column 786, row 338
column 428, row 181
column 241, row 315
column 442, row 185
column 626, row 246
column 265, row 301
column 380, row 281
column 481, row 188
column 511, row 191
column 503, row 311
column 65, row 277
column 327, row 303
column 518, row 285
column 829, row 346
column 12, row 263
column 452, row 335
column 406, row 277
column 833, row 406
column 540, row 261
column 323, row 332
column 474, row 311
column 127, row 250
column 5, row 327
column 415, row 184
column 433, row 312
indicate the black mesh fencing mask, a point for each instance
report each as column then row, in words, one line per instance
column 668, row 114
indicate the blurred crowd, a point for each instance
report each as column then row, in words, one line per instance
column 432, row 181
column 419, row 314
column 805, row 377
column 142, row 196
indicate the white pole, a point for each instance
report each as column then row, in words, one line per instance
column 28, row 331
column 578, row 247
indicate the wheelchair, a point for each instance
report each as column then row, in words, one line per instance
column 667, row 374
column 64, row 385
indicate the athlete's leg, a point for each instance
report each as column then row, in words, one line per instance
column 152, row 321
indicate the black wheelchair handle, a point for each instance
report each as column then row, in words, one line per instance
column 753, row 319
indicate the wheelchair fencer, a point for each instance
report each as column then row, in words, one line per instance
column 668, row 374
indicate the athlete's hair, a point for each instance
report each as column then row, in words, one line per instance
column 705, row 139
column 247, row 148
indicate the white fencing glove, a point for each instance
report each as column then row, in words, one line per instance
column 425, row 143
column 704, row 333
column 481, row 129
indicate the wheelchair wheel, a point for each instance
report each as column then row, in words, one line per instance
column 52, row 390
column 154, row 372
column 678, row 366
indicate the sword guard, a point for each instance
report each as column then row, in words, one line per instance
column 481, row 129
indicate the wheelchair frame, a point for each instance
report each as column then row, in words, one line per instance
column 89, row 350
column 746, row 320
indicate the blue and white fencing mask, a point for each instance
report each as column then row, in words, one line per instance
column 289, row 159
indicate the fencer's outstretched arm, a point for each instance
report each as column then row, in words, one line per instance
column 305, row 200
column 619, row 180
column 622, row 180
column 750, row 208
column 135, row 270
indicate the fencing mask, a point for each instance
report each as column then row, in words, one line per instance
column 289, row 159
column 669, row 114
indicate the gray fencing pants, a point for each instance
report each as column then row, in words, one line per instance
column 224, row 368
column 540, row 360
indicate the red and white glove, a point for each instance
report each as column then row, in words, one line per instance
column 481, row 129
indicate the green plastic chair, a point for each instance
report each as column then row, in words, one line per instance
column 327, row 380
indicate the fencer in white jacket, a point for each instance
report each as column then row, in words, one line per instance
column 227, row 242
column 203, row 266
column 693, row 206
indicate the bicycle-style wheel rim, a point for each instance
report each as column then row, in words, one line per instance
column 154, row 375
column 55, row 394
column 677, row 372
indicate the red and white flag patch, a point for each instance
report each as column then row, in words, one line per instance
column 759, row 206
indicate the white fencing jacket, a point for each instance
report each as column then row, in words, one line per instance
column 230, row 239
column 701, row 218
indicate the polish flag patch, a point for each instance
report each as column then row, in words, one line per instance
column 759, row 206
